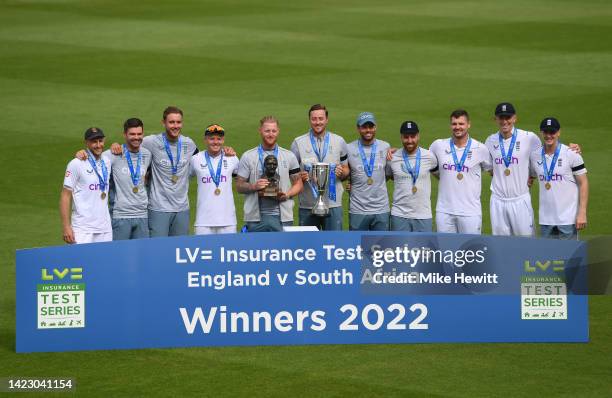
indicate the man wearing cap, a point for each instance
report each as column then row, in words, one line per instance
column 129, row 197
column 265, row 213
column 369, row 200
column 86, row 191
column 461, row 160
column 321, row 146
column 564, row 187
column 215, row 212
column 410, row 169
column 510, row 148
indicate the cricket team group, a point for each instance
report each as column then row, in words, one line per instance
column 139, row 188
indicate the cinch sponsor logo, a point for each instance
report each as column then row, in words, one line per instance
column 452, row 167
column 94, row 187
column 501, row 160
column 555, row 177
column 208, row 180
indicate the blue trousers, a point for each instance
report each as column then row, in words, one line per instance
column 333, row 222
column 130, row 228
column 168, row 224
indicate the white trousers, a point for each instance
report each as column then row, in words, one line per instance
column 92, row 237
column 512, row 217
column 227, row 229
column 450, row 223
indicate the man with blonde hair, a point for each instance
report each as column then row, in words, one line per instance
column 268, row 210
column 215, row 211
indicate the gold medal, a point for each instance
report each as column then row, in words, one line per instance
column 174, row 178
column 217, row 192
column 547, row 185
column 459, row 176
column 370, row 181
column 507, row 172
column 135, row 189
column 103, row 195
column 414, row 189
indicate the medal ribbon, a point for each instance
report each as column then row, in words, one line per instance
column 507, row 158
column 332, row 182
column 459, row 164
column 260, row 151
column 414, row 173
column 216, row 177
column 549, row 172
column 102, row 179
column 134, row 174
column 178, row 153
column 315, row 148
column 368, row 168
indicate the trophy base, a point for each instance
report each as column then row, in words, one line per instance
column 270, row 193
column 320, row 208
column 320, row 212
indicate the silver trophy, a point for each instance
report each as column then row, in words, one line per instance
column 319, row 178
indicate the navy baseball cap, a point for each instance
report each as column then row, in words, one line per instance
column 365, row 117
column 214, row 129
column 93, row 133
column 409, row 127
column 505, row 109
column 550, row 125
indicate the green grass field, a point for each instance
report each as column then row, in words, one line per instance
column 67, row 65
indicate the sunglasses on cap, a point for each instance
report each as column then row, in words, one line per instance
column 214, row 129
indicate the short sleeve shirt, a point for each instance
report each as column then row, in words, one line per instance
column 406, row 202
column 368, row 198
column 89, row 210
column 514, row 184
column 559, row 204
column 215, row 210
column 250, row 168
column 130, row 204
column 166, row 196
column 304, row 152
column 456, row 196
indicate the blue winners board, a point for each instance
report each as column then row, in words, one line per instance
column 300, row 288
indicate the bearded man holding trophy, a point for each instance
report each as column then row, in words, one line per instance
column 321, row 152
column 269, row 177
